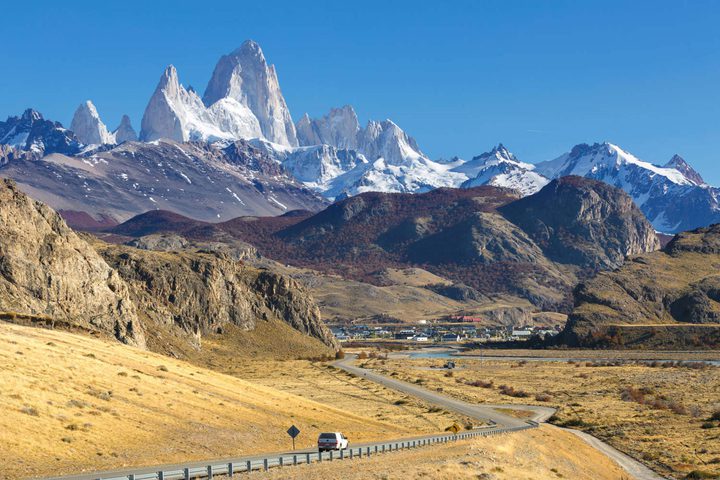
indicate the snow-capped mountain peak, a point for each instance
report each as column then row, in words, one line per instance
column 31, row 132
column 245, row 77
column 679, row 164
column 88, row 127
column 338, row 128
column 668, row 196
column 605, row 160
column 388, row 141
column 179, row 114
column 500, row 168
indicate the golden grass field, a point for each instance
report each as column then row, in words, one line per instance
column 674, row 440
column 542, row 454
column 73, row 403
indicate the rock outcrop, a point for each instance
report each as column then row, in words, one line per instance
column 31, row 132
column 201, row 292
column 162, row 299
column 584, row 222
column 664, row 299
column 88, row 127
column 47, row 271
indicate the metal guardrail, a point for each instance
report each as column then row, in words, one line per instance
column 284, row 460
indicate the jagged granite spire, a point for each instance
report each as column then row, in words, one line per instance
column 245, row 76
column 179, row 114
column 338, row 128
column 125, row 132
column 88, row 127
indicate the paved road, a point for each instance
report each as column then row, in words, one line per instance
column 632, row 466
column 499, row 423
column 257, row 462
column 485, row 411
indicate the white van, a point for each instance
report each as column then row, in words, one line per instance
column 332, row 441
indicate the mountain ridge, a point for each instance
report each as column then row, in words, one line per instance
column 460, row 234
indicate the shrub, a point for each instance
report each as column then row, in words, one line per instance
column 362, row 355
column 715, row 416
column 448, row 374
column 543, row 397
column 632, row 394
column 32, row 411
column 340, row 354
column 400, row 402
column 700, row 475
column 162, row 368
column 677, row 408
column 511, row 392
column 707, row 425
column 574, row 422
column 481, row 384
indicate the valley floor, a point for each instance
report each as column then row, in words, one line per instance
column 73, row 403
column 667, row 417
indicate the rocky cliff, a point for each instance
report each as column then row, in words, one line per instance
column 166, row 300
column 47, row 271
column 202, row 292
column 88, row 127
column 584, row 222
column 664, row 299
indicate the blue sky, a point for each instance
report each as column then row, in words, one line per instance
column 459, row 76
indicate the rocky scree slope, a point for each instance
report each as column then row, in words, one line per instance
column 165, row 300
column 664, row 299
column 199, row 180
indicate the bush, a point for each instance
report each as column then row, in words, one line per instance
column 340, row 354
column 32, row 411
column 700, row 475
column 511, row 392
column 715, row 417
column 362, row 355
column 678, row 408
column 574, row 422
column 632, row 394
column 448, row 374
column 543, row 397
column 707, row 425
column 481, row 384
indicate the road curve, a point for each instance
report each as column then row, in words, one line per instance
column 486, row 411
column 501, row 423
column 482, row 412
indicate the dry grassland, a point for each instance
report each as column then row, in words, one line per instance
column 667, row 417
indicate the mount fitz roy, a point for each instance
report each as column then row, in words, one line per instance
column 240, row 138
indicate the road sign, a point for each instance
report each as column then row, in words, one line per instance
column 454, row 428
column 293, row 432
